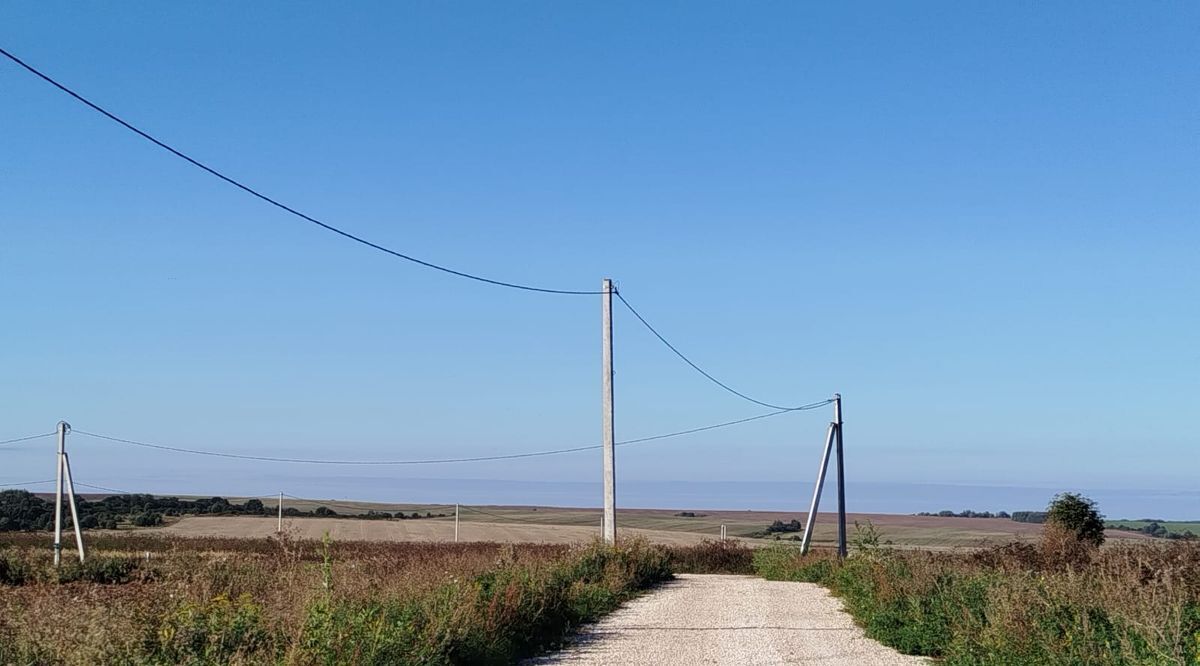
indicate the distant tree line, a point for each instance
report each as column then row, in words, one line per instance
column 21, row 510
column 966, row 514
column 1154, row 528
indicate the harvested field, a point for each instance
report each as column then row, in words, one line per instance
column 567, row 525
column 410, row 530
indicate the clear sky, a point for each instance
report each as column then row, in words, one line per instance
column 978, row 222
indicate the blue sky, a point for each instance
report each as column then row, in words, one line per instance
column 978, row 223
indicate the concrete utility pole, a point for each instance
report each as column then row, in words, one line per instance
column 841, row 476
column 58, row 490
column 606, row 397
column 455, row 523
column 279, row 525
column 64, row 468
column 833, row 436
column 811, row 520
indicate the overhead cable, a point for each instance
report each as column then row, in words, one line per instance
column 428, row 461
column 26, row 483
column 277, row 203
column 26, row 438
column 710, row 378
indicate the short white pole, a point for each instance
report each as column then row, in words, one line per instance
column 455, row 523
column 279, row 526
column 722, row 533
column 58, row 488
column 71, row 498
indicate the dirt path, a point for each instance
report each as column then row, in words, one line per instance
column 730, row 620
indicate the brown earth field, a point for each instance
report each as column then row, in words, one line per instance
column 526, row 524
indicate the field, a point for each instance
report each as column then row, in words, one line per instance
column 513, row 524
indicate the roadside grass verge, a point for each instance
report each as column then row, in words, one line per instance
column 1017, row 604
column 292, row 602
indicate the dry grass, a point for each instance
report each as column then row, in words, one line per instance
column 1057, row 601
column 283, row 600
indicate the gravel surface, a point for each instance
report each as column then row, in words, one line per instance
column 731, row 620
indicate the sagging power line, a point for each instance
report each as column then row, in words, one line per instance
column 708, row 376
column 278, row 204
column 427, row 461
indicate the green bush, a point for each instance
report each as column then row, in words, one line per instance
column 97, row 569
column 221, row 631
column 15, row 569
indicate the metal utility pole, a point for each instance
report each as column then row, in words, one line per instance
column 606, row 397
column 841, row 476
column 279, row 525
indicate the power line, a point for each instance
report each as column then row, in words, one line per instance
column 278, row 204
column 26, row 483
column 432, row 461
column 710, row 378
column 109, row 490
column 26, row 438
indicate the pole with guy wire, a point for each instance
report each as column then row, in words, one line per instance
column 834, row 434
column 606, row 401
column 63, row 468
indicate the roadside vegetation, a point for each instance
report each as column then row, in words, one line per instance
column 1063, row 600
column 153, row 600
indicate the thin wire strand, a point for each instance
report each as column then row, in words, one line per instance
column 110, row 490
column 27, row 483
column 708, row 376
column 27, row 438
column 278, row 204
column 435, row 461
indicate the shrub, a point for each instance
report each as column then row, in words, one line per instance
column 102, row 569
column 220, row 631
column 147, row 519
column 1078, row 514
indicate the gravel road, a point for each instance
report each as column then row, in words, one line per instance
column 731, row 620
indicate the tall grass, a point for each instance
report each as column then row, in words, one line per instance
column 1054, row 603
column 197, row 601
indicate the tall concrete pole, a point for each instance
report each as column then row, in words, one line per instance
column 841, row 474
column 606, row 397
column 58, row 490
